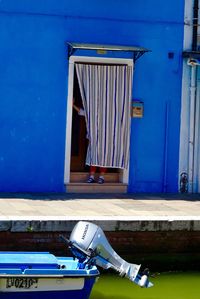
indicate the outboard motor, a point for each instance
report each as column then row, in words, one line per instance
column 89, row 244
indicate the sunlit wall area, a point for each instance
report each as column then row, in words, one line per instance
column 34, row 86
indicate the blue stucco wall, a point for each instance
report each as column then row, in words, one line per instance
column 33, row 86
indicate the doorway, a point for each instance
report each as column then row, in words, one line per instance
column 76, row 130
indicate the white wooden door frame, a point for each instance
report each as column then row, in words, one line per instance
column 72, row 61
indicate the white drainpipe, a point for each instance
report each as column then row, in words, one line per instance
column 193, row 87
column 196, row 142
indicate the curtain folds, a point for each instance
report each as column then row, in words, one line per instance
column 106, row 92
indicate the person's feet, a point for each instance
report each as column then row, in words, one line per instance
column 92, row 180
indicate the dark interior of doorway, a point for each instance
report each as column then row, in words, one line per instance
column 79, row 141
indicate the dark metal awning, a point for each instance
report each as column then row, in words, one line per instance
column 102, row 49
column 191, row 54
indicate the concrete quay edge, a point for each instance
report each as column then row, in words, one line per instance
column 110, row 224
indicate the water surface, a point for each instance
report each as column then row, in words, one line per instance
column 166, row 286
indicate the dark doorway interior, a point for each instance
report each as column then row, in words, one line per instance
column 79, row 140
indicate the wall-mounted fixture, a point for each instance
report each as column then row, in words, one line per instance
column 137, row 109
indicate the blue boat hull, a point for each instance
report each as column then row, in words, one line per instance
column 69, row 294
column 35, row 275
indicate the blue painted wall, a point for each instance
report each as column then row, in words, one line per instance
column 33, row 86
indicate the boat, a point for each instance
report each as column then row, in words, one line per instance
column 34, row 275
column 31, row 275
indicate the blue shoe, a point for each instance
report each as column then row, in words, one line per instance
column 90, row 180
column 100, row 180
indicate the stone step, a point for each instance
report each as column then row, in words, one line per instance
column 96, row 188
column 81, row 177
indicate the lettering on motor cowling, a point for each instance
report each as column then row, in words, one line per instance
column 85, row 231
column 21, row 282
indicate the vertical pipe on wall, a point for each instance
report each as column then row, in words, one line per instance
column 195, row 25
column 196, row 142
column 192, row 127
column 164, row 187
column 193, row 88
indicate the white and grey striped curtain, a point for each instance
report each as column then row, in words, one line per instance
column 106, row 92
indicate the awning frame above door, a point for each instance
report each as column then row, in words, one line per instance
column 136, row 52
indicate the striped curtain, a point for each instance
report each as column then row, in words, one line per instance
column 106, row 92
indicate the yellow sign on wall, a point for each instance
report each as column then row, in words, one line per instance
column 137, row 109
column 101, row 51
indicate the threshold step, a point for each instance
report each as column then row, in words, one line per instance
column 96, row 188
column 81, row 177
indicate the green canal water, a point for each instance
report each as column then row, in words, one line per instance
column 179, row 285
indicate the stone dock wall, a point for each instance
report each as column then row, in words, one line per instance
column 162, row 245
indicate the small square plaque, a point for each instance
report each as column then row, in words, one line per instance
column 137, row 109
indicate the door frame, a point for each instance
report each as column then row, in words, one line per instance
column 124, row 177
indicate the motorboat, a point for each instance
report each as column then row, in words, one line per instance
column 31, row 275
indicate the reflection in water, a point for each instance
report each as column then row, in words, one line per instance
column 166, row 286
